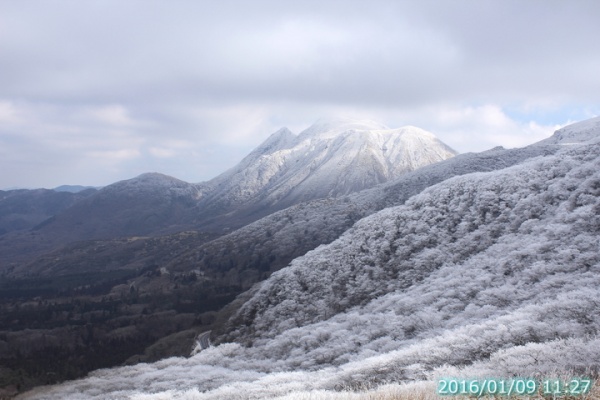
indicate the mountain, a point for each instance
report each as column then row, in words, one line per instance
column 148, row 204
column 188, row 272
column 329, row 159
column 251, row 253
column 23, row 209
column 477, row 265
column 72, row 188
column 580, row 132
column 490, row 273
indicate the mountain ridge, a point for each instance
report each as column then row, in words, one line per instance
column 579, row 132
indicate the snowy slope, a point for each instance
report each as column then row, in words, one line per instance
column 444, row 227
column 331, row 158
column 491, row 273
column 577, row 133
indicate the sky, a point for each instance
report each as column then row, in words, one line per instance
column 96, row 91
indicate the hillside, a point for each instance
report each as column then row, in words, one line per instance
column 253, row 252
column 147, row 204
column 23, row 209
column 485, row 274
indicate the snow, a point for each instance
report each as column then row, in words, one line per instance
column 330, row 128
column 331, row 158
column 577, row 133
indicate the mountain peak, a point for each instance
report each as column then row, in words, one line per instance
column 152, row 179
column 72, row 188
column 278, row 140
column 151, row 184
column 331, row 158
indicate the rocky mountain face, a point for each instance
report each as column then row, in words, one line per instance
column 492, row 272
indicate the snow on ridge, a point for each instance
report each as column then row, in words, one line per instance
column 577, row 133
column 279, row 140
column 152, row 184
column 334, row 126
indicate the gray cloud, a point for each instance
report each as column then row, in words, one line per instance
column 141, row 85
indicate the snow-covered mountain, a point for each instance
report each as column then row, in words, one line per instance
column 329, row 159
column 134, row 238
column 491, row 274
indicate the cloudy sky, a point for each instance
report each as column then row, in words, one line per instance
column 92, row 92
